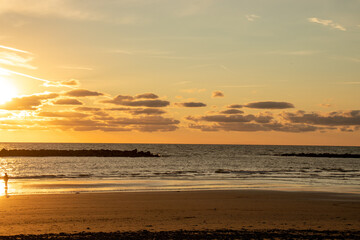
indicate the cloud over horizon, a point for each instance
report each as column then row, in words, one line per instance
column 130, row 101
column 147, row 96
column 139, row 111
column 68, row 101
column 31, row 102
column 297, row 122
column 191, row 104
column 350, row 118
column 143, row 112
column 216, row 94
column 235, row 106
column 232, row 111
column 71, row 82
column 269, row 105
column 62, row 114
column 82, row 93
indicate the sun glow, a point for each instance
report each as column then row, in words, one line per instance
column 7, row 90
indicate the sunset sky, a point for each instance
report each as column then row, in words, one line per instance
column 189, row 71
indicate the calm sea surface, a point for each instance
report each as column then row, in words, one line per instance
column 181, row 167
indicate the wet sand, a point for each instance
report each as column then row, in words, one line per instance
column 259, row 211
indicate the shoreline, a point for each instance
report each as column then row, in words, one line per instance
column 72, row 186
column 156, row 191
column 260, row 210
column 206, row 234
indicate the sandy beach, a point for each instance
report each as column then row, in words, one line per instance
column 171, row 211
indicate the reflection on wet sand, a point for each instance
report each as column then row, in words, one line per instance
column 6, row 179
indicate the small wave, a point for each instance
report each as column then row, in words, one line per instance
column 227, row 171
column 222, row 171
column 38, row 176
column 85, row 175
column 50, row 176
column 176, row 173
column 322, row 155
column 337, row 170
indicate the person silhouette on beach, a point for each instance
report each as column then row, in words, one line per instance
column 6, row 179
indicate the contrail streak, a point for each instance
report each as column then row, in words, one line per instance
column 14, row 49
column 25, row 75
column 47, row 83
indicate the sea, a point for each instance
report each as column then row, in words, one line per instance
column 180, row 167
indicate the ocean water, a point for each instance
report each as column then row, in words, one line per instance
column 181, row 167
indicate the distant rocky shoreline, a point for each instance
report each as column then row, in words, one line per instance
column 74, row 153
column 323, row 155
column 215, row 234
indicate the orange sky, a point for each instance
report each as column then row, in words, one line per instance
column 239, row 72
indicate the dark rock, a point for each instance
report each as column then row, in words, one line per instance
column 74, row 153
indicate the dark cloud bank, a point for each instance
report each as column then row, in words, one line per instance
column 28, row 102
column 269, row 105
column 191, row 104
column 68, row 101
column 146, row 100
column 83, row 93
column 147, row 112
column 285, row 122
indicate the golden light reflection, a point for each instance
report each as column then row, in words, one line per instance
column 7, row 90
column 4, row 189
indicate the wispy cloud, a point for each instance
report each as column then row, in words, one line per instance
column 293, row 53
column 23, row 75
column 76, row 68
column 54, row 8
column 349, row 83
column 14, row 49
column 252, row 17
column 14, row 59
column 328, row 23
column 47, row 83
